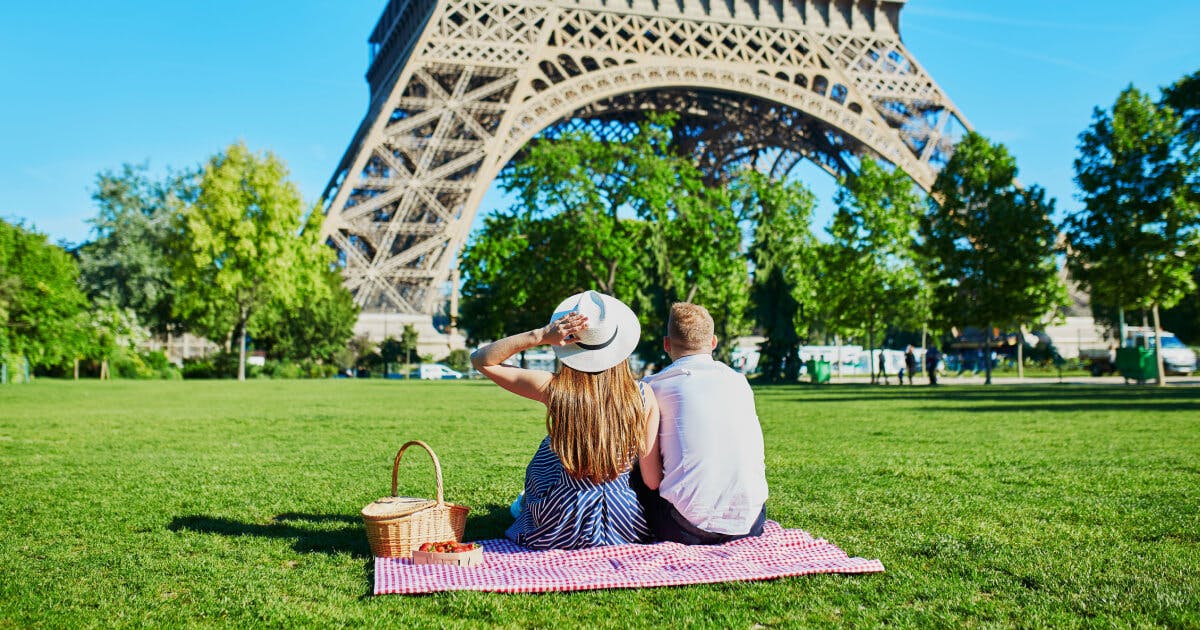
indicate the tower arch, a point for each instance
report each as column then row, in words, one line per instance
column 571, row 96
column 458, row 87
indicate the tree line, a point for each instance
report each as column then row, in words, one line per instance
column 227, row 251
column 639, row 220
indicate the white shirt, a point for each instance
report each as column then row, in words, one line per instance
column 712, row 446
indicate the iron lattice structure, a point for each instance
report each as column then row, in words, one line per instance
column 458, row 87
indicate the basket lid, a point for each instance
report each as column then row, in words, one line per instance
column 393, row 507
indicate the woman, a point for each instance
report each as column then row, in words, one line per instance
column 600, row 423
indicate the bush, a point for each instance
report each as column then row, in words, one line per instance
column 170, row 373
column 326, row 370
column 284, row 369
column 156, row 360
column 15, row 367
column 459, row 360
column 224, row 365
column 146, row 366
column 219, row 365
column 198, row 368
column 161, row 366
column 125, row 364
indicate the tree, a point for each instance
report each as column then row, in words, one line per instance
column 631, row 219
column 43, row 309
column 1134, row 244
column 783, row 255
column 238, row 246
column 699, row 247
column 315, row 318
column 498, row 264
column 1184, row 318
column 127, row 265
column 872, row 278
column 10, row 284
column 989, row 243
column 359, row 351
column 392, row 350
column 314, row 329
column 111, row 332
column 1184, row 98
column 692, row 240
column 520, row 266
column 579, row 186
column 408, row 342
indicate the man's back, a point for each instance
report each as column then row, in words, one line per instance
column 712, row 446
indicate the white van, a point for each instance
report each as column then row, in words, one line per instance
column 436, row 372
column 1177, row 357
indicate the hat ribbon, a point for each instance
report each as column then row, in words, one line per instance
column 599, row 346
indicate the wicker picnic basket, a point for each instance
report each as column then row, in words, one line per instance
column 398, row 525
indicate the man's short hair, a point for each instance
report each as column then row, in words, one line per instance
column 690, row 327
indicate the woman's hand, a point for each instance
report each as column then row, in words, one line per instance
column 561, row 332
column 557, row 333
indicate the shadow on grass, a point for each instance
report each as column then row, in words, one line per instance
column 332, row 533
column 1087, row 397
column 1160, row 407
column 310, row 532
column 488, row 522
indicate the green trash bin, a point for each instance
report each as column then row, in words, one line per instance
column 818, row 371
column 1137, row 364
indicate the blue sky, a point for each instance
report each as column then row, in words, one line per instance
column 88, row 86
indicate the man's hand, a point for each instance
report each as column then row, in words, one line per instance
column 561, row 332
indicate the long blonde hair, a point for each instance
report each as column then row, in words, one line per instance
column 596, row 422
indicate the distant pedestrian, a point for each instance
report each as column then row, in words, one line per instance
column 910, row 364
column 932, row 356
column 883, row 368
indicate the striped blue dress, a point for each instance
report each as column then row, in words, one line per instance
column 559, row 512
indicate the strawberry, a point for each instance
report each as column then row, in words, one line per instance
column 448, row 546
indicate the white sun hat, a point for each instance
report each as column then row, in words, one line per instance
column 612, row 333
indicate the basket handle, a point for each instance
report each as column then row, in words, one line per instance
column 437, row 468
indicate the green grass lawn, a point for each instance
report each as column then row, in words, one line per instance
column 227, row 504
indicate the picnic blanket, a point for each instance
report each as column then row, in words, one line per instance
column 509, row 568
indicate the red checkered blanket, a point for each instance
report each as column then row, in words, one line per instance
column 508, row 568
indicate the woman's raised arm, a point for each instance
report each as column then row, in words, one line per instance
column 531, row 384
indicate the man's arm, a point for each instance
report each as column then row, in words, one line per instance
column 650, row 462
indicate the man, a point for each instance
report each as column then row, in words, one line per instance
column 932, row 356
column 883, row 367
column 910, row 364
column 714, row 484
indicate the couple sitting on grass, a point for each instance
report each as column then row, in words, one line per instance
column 676, row 457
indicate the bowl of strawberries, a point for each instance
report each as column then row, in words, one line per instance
column 449, row 552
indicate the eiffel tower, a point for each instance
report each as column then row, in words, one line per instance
column 458, row 87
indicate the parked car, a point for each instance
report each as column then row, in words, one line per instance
column 435, row 372
column 1100, row 361
column 1177, row 357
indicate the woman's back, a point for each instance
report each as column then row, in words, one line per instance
column 560, row 512
column 599, row 424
